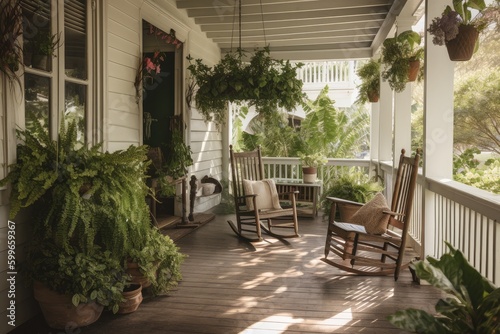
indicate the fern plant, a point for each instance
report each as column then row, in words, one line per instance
column 89, row 206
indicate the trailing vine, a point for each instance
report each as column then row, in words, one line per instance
column 11, row 29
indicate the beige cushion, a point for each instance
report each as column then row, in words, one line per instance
column 372, row 216
column 267, row 196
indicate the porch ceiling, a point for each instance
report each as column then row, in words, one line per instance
column 298, row 29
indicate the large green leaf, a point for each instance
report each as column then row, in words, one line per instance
column 417, row 321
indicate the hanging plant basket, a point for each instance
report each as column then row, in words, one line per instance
column 462, row 47
column 373, row 96
column 413, row 70
column 264, row 82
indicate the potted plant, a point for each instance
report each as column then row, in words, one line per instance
column 353, row 186
column 11, row 30
column 264, row 82
column 471, row 305
column 73, row 286
column 369, row 89
column 459, row 30
column 310, row 164
column 157, row 260
column 402, row 57
column 43, row 47
column 88, row 211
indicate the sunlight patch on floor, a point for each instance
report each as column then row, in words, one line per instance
column 277, row 323
column 340, row 319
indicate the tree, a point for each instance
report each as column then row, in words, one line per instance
column 326, row 129
column 477, row 112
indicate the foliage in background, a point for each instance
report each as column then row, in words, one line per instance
column 471, row 305
column 477, row 112
column 468, row 170
column 327, row 130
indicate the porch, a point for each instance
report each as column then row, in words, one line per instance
column 231, row 286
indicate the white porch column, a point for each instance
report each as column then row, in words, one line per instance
column 385, row 122
column 374, row 130
column 438, row 118
column 402, row 105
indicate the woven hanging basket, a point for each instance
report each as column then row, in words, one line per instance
column 461, row 48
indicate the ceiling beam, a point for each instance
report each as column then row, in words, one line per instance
column 286, row 16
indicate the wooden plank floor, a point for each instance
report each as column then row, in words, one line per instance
column 231, row 286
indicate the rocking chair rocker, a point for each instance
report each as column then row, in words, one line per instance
column 256, row 200
column 380, row 253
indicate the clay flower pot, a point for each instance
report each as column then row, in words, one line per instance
column 133, row 298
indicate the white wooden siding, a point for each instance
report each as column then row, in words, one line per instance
column 122, row 125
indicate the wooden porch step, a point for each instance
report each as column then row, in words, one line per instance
column 168, row 222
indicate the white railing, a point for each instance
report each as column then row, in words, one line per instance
column 334, row 73
column 466, row 217
column 469, row 219
column 290, row 168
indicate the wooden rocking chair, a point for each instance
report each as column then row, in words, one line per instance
column 257, row 202
column 364, row 253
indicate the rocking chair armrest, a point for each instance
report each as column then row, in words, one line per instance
column 392, row 213
column 344, row 201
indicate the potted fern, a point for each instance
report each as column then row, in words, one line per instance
column 88, row 214
column 369, row 89
column 402, row 57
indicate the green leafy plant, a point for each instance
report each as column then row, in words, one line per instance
column 159, row 260
column 264, row 82
column 86, row 277
column 472, row 304
column 313, row 160
column 11, row 29
column 398, row 53
column 89, row 208
column 352, row 185
column 446, row 27
column 177, row 159
column 45, row 44
column 369, row 89
column 82, row 195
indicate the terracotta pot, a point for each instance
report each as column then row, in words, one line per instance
column 461, row 48
column 373, row 96
column 413, row 71
column 60, row 313
column 309, row 174
column 133, row 298
column 136, row 275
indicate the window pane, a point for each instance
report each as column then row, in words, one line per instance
column 75, row 103
column 37, row 100
column 38, row 40
column 75, row 23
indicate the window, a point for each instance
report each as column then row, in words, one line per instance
column 57, row 58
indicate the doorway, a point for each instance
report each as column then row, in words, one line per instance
column 162, row 112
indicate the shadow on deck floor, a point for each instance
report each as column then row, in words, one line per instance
column 232, row 286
